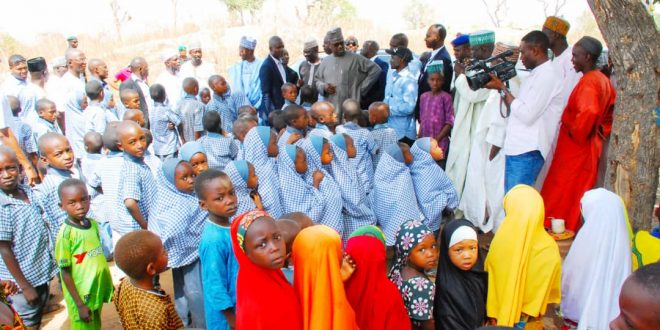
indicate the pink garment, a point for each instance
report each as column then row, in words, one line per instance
column 435, row 111
column 123, row 74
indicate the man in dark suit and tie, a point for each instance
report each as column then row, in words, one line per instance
column 377, row 92
column 137, row 81
column 435, row 40
column 272, row 75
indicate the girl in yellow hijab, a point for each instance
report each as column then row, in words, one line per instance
column 523, row 264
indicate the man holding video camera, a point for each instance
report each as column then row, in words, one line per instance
column 534, row 114
column 468, row 104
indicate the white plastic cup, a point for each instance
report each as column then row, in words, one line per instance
column 558, row 226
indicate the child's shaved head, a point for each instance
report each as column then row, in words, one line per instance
column 191, row 86
column 379, row 112
column 134, row 115
column 93, row 142
column 205, row 178
column 352, row 110
column 135, row 251
column 299, row 217
column 47, row 141
column 639, row 300
column 126, row 94
column 242, row 126
column 110, row 138
column 289, row 230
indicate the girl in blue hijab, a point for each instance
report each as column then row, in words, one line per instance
column 434, row 190
column 298, row 195
column 74, row 121
column 393, row 196
column 357, row 210
column 319, row 158
column 245, row 181
column 261, row 150
column 193, row 153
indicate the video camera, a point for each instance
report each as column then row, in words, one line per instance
column 478, row 72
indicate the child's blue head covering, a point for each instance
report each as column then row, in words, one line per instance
column 340, row 140
column 291, row 151
column 317, row 143
column 189, row 149
column 169, row 168
column 395, row 151
column 74, row 102
column 242, row 168
column 424, row 144
column 264, row 134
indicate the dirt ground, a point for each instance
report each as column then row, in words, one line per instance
column 60, row 318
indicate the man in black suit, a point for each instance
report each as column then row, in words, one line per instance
column 272, row 75
column 137, row 81
column 377, row 92
column 435, row 40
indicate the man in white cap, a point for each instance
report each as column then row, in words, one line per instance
column 170, row 78
column 343, row 74
column 197, row 69
column 310, row 66
column 244, row 75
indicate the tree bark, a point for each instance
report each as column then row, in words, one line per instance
column 634, row 152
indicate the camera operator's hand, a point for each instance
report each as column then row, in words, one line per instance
column 495, row 83
column 459, row 68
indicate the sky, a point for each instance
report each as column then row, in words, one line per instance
column 94, row 16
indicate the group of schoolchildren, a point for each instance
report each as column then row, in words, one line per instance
column 290, row 226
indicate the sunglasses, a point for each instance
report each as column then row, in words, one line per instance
column 351, row 44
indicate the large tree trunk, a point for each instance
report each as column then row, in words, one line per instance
column 634, row 152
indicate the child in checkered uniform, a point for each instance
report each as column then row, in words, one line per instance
column 219, row 149
column 364, row 143
column 26, row 255
column 382, row 134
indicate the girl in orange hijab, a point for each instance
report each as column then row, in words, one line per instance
column 317, row 260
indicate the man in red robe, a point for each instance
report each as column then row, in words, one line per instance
column 585, row 124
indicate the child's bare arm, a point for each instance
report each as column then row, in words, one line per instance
column 428, row 325
column 134, row 210
column 444, row 132
column 9, row 258
column 83, row 310
column 230, row 317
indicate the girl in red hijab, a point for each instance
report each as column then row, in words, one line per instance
column 375, row 299
column 264, row 298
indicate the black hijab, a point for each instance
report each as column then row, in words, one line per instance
column 460, row 296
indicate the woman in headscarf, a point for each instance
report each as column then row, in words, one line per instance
column 393, row 195
column 264, row 298
column 245, row 182
column 193, row 153
column 74, row 121
column 434, row 190
column 461, row 282
column 523, row 263
column 416, row 253
column 261, row 150
column 597, row 264
column 317, row 260
column 178, row 220
column 356, row 209
column 319, row 158
column 375, row 299
column 298, row 195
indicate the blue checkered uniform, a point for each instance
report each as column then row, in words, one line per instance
column 166, row 141
column 333, row 215
column 433, row 188
column 106, row 175
column 138, row 183
column 366, row 149
column 22, row 224
column 240, row 150
column 320, row 130
column 298, row 195
column 256, row 152
column 191, row 111
column 178, row 220
column 383, row 135
column 393, row 197
column 356, row 206
column 46, row 194
column 245, row 202
column 25, row 137
column 227, row 106
column 219, row 149
column 281, row 143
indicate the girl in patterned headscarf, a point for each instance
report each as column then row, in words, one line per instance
column 434, row 190
column 261, row 150
column 356, row 209
column 298, row 195
column 245, row 181
column 179, row 221
column 264, row 298
column 319, row 158
column 416, row 252
column 393, row 196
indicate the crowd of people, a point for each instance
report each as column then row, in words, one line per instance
column 350, row 194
